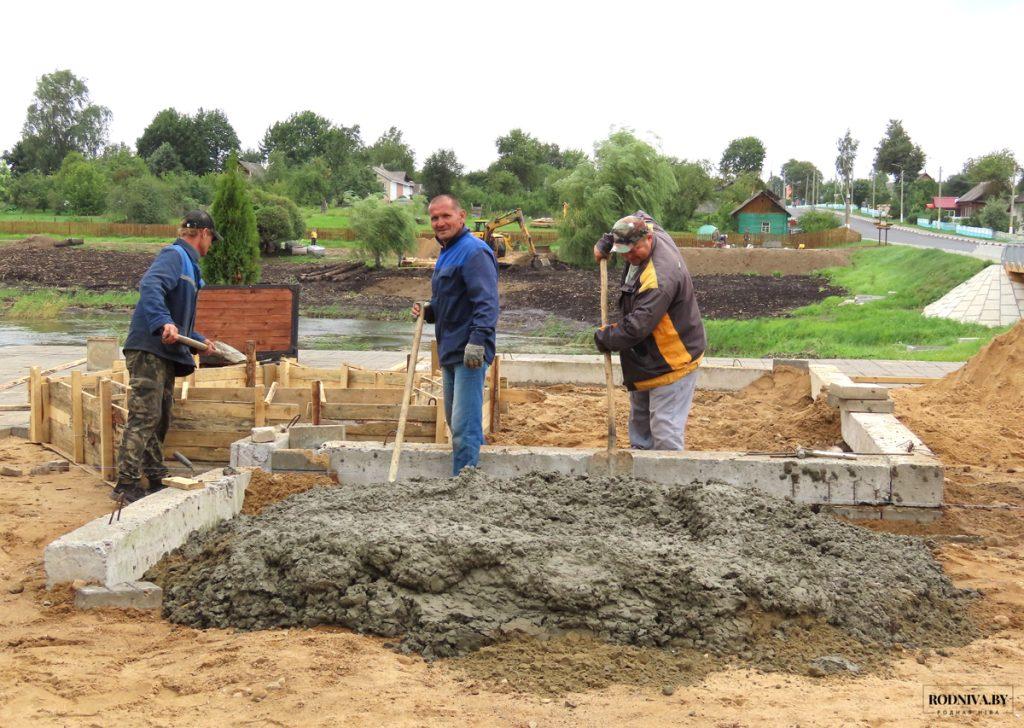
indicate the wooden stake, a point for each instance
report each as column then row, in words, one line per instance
column 435, row 362
column 44, row 432
column 284, row 372
column 250, row 363
column 77, row 418
column 260, row 407
column 106, row 432
column 404, row 414
column 317, row 398
column 495, row 394
column 271, row 392
column 609, row 382
column 35, row 399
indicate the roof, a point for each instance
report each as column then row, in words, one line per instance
column 762, row 193
column 253, row 168
column 944, row 203
column 397, row 176
column 706, row 229
column 979, row 192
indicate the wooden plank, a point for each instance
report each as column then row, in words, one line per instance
column 316, row 397
column 495, row 394
column 343, row 376
column 35, row 398
column 388, row 412
column 196, row 410
column 59, row 416
column 380, row 429
column 271, row 392
column 281, row 411
column 61, row 436
column 106, row 432
column 60, row 395
column 44, row 432
column 296, row 395
column 52, row 370
column 182, row 394
column 206, row 454
column 284, row 370
column 203, row 438
column 894, row 380
column 379, row 438
column 259, row 407
column 250, row 363
column 219, row 394
column 441, row 425
column 15, row 407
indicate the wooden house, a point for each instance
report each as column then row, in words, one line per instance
column 762, row 214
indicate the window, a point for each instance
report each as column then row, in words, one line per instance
column 766, row 226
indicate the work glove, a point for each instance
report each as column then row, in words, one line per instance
column 598, row 335
column 603, row 247
column 474, row 356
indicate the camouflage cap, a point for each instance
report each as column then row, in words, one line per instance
column 627, row 231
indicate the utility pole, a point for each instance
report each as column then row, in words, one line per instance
column 873, row 176
column 901, row 194
column 1013, row 195
column 940, row 198
column 807, row 187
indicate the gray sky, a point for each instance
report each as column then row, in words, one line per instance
column 459, row 74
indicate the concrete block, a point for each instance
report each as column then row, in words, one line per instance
column 729, row 379
column 822, row 375
column 264, row 434
column 122, row 551
column 857, row 391
column 912, row 515
column 101, row 352
column 877, row 406
column 130, row 595
column 881, row 434
column 11, row 472
column 363, row 463
column 313, row 436
column 246, row 453
column 295, row 459
column 917, row 480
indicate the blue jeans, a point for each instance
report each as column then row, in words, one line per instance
column 463, row 408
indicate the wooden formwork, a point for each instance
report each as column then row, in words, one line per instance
column 82, row 416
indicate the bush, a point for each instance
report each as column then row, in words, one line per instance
column 817, row 220
column 31, row 191
column 995, row 214
column 296, row 224
column 189, row 191
column 82, row 186
column 235, row 260
column 381, row 228
column 144, row 200
column 273, row 225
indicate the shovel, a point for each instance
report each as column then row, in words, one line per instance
column 608, row 369
column 403, row 415
column 228, row 353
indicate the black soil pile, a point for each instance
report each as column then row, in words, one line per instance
column 449, row 566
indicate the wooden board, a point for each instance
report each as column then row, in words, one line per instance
column 217, row 394
column 389, row 412
column 377, row 430
column 266, row 314
column 177, row 438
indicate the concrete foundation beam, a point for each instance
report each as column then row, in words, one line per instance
column 296, row 459
column 917, row 480
column 729, row 379
column 824, row 375
column 248, row 454
column 874, row 406
column 118, row 552
column 880, row 434
column 311, row 437
column 130, row 595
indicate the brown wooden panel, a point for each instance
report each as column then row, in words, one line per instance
column 267, row 315
column 206, row 454
column 61, row 436
column 417, row 413
column 380, row 429
column 60, row 396
column 203, row 438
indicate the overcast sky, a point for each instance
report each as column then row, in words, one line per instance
column 687, row 77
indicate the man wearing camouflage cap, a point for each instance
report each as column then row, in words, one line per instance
column 660, row 337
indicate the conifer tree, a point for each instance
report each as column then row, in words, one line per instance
column 236, row 259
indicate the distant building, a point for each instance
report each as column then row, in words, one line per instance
column 762, row 214
column 252, row 170
column 396, row 183
column 971, row 202
column 925, row 177
column 943, row 203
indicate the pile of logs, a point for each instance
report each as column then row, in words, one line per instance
column 337, row 272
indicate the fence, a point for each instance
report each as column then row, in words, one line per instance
column 91, row 229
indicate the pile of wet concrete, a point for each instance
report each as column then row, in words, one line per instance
column 450, row 565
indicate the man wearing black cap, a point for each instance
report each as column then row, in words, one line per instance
column 660, row 338
column 166, row 308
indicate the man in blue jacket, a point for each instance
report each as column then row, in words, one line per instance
column 464, row 310
column 166, row 308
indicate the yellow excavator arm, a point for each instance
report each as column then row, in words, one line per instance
column 512, row 216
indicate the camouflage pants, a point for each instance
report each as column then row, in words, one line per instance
column 149, row 416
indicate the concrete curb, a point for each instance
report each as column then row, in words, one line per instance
column 114, row 553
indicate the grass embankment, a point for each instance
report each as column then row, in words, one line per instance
column 876, row 330
column 49, row 303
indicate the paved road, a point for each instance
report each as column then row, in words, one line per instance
column 906, row 237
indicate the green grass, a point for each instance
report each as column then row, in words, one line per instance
column 49, row 303
column 876, row 330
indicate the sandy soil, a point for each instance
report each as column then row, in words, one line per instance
column 774, row 413
column 64, row 667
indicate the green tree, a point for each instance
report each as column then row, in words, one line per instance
column 956, row 185
column 61, row 119
column 745, row 154
column 995, row 214
column 381, row 228
column 201, row 142
column 144, row 200
column 31, row 191
column 5, row 182
column 847, row 148
column 217, row 140
column 1000, row 167
column 440, row 172
column 82, row 186
column 861, row 192
column 277, row 219
column 301, row 137
column 391, row 152
column 626, row 175
column 164, row 160
column 897, row 155
column 801, row 176
column 523, row 154
column 694, row 183
column 236, row 259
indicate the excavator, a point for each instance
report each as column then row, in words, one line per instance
column 487, row 230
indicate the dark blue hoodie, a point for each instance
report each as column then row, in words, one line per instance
column 464, row 298
column 167, row 295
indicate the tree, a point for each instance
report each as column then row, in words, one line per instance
column 382, row 228
column 818, row 220
column 201, row 143
column 143, row 200
column 995, row 214
column 742, row 155
column 391, row 152
column 861, row 192
column 440, row 172
column 301, row 137
column 956, row 185
column 626, row 175
column 31, row 191
column 802, row 176
column 1000, row 167
column 82, row 186
column 60, row 120
column 693, row 180
column 5, row 182
column 897, row 155
column 522, row 154
column 847, row 147
column 236, row 259
column 164, row 160
column 277, row 219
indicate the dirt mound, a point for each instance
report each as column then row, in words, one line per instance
column 728, row 261
column 973, row 416
column 37, row 242
column 775, row 412
column 451, row 565
column 265, row 488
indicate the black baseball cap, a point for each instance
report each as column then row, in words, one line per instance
column 198, row 219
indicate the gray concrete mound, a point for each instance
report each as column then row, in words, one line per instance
column 451, row 565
